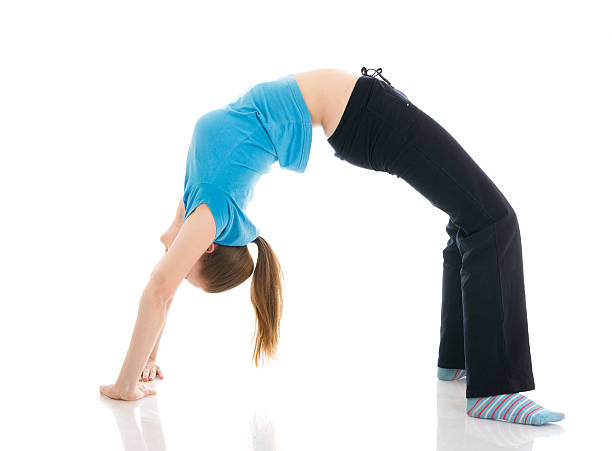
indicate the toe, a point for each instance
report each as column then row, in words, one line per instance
column 554, row 416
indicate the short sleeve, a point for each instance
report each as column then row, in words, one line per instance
column 218, row 202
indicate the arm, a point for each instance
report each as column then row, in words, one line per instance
column 194, row 237
column 149, row 322
column 180, row 213
column 170, row 235
column 153, row 355
column 152, row 369
column 177, row 222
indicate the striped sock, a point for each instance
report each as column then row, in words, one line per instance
column 446, row 374
column 512, row 408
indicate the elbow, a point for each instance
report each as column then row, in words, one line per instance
column 159, row 293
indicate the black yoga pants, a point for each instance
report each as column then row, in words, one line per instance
column 484, row 318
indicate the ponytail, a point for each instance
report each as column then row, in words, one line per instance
column 267, row 300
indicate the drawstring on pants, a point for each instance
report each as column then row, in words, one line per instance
column 378, row 71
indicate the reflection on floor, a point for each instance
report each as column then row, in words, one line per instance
column 149, row 435
column 140, row 426
column 456, row 431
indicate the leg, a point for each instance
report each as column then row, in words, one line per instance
column 451, row 354
column 383, row 131
column 488, row 239
column 496, row 341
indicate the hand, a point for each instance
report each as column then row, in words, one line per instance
column 140, row 391
column 151, row 370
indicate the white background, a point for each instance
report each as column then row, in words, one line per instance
column 97, row 104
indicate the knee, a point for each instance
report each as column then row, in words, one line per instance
column 497, row 214
column 502, row 214
column 507, row 213
column 502, row 210
column 510, row 213
column 506, row 220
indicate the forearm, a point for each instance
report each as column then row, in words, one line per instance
column 152, row 313
column 176, row 223
column 153, row 355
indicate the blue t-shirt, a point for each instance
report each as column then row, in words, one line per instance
column 233, row 146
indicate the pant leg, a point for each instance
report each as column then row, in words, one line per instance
column 451, row 351
column 406, row 142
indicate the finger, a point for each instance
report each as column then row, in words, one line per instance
column 159, row 373
column 152, row 374
column 140, row 389
column 143, row 391
column 150, row 391
column 145, row 374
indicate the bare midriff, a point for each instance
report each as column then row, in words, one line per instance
column 326, row 93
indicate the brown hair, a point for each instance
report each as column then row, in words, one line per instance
column 228, row 266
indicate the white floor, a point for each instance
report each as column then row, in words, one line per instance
column 146, row 425
column 279, row 408
column 355, row 370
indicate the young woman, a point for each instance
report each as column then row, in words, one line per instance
column 370, row 124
